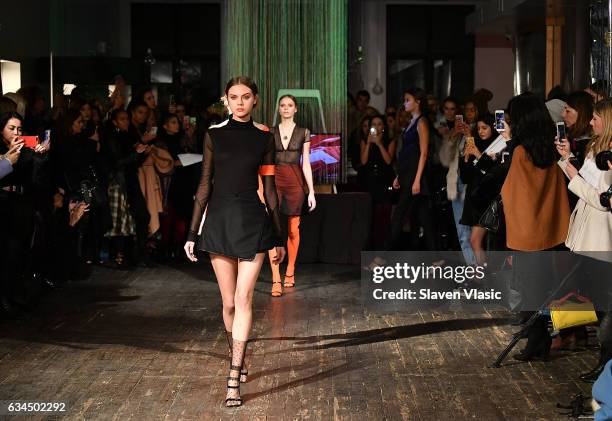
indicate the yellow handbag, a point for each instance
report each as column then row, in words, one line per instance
column 565, row 314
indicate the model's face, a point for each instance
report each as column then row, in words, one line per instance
column 140, row 114
column 449, row 109
column 484, row 130
column 597, row 124
column 287, row 108
column 77, row 125
column 470, row 112
column 241, row 101
column 122, row 122
column 172, row 126
column 12, row 130
column 410, row 103
column 570, row 116
column 149, row 99
column 85, row 112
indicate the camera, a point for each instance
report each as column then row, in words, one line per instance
column 604, row 198
column 602, row 158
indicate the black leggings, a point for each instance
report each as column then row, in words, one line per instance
column 420, row 214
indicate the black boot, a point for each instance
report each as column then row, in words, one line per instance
column 538, row 342
column 605, row 355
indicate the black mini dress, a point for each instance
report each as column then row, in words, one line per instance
column 237, row 223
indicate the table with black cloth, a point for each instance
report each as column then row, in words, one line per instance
column 337, row 230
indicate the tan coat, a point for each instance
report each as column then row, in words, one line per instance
column 158, row 161
column 590, row 227
column 535, row 203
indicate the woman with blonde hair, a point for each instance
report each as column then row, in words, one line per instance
column 590, row 229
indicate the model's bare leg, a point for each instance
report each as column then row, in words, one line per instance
column 277, row 289
column 226, row 271
column 248, row 272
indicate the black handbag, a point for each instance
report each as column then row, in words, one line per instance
column 490, row 219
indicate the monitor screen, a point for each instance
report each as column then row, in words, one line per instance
column 325, row 153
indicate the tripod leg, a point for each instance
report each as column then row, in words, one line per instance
column 517, row 337
column 532, row 319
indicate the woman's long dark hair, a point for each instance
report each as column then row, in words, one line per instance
column 489, row 120
column 5, row 117
column 582, row 102
column 65, row 125
column 421, row 96
column 533, row 128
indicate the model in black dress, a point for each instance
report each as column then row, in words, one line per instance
column 238, row 228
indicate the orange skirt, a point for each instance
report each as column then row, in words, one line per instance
column 289, row 180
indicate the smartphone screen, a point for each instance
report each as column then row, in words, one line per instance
column 499, row 120
column 561, row 131
column 458, row 119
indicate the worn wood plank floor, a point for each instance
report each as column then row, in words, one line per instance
column 149, row 345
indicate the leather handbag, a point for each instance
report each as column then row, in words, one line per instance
column 490, row 219
column 565, row 313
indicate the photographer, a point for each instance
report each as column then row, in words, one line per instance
column 590, row 230
column 82, row 178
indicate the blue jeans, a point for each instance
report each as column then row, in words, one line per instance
column 463, row 231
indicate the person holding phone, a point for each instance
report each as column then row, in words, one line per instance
column 293, row 176
column 10, row 158
column 590, row 228
column 376, row 175
column 19, row 194
column 238, row 229
column 474, row 207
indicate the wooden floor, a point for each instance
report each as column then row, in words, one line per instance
column 149, row 345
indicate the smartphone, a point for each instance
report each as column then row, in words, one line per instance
column 373, row 131
column 561, row 131
column 29, row 141
column 193, row 121
column 153, row 130
column 458, row 119
column 172, row 102
column 499, row 120
column 469, row 140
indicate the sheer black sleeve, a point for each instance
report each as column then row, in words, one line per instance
column 204, row 189
column 270, row 194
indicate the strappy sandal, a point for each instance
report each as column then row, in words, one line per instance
column 232, row 402
column 277, row 290
column 289, row 284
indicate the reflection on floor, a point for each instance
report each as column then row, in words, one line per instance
column 150, row 345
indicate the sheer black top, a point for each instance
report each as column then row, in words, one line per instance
column 293, row 152
column 233, row 154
